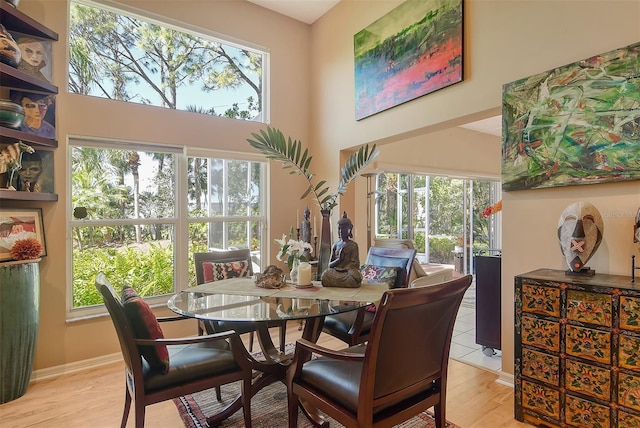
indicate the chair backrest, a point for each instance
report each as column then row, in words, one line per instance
column 221, row 256
column 409, row 343
column 393, row 257
column 124, row 329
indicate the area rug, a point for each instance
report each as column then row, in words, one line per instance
column 268, row 410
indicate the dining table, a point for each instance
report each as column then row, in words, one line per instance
column 241, row 300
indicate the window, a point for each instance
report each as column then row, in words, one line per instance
column 441, row 215
column 120, row 56
column 126, row 219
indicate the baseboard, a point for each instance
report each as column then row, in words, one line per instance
column 64, row 369
column 505, row 379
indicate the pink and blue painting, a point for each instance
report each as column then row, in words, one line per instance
column 412, row 51
column 575, row 124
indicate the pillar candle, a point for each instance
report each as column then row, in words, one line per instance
column 304, row 273
column 297, row 219
column 315, row 230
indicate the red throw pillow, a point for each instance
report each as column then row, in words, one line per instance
column 213, row 271
column 145, row 326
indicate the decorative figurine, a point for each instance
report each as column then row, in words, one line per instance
column 344, row 266
column 305, row 226
column 580, row 230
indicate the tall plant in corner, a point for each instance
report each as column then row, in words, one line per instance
column 273, row 144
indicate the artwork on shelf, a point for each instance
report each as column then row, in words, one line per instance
column 412, row 51
column 16, row 224
column 35, row 55
column 39, row 113
column 575, row 124
column 35, row 174
column 580, row 230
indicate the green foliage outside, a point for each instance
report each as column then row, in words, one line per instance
column 150, row 272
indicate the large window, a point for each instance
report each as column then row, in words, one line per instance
column 118, row 55
column 126, row 219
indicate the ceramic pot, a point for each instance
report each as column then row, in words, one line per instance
column 11, row 114
column 19, row 319
column 9, row 50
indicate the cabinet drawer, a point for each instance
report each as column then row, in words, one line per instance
column 541, row 300
column 630, row 313
column 540, row 366
column 541, row 333
column 588, row 379
column 629, row 391
column 629, row 352
column 585, row 414
column 592, row 308
column 588, row 343
column 627, row 420
column 541, row 399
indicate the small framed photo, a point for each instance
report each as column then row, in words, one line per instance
column 35, row 55
column 39, row 113
column 18, row 224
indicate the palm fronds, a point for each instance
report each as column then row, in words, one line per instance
column 273, row 144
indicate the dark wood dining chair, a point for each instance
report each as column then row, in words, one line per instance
column 353, row 327
column 399, row 373
column 159, row 369
column 214, row 266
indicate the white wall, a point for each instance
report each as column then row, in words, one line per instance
column 504, row 41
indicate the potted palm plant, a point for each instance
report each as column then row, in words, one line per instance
column 274, row 145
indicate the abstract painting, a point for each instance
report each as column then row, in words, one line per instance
column 412, row 51
column 575, row 124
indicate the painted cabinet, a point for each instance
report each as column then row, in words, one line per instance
column 577, row 350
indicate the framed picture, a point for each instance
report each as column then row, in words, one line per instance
column 35, row 55
column 39, row 113
column 18, row 224
column 575, row 124
column 412, row 51
column 35, row 174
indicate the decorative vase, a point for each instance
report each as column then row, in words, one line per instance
column 19, row 316
column 294, row 270
column 324, row 255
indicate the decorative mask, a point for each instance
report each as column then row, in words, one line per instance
column 580, row 230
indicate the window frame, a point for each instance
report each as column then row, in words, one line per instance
column 174, row 24
column 180, row 220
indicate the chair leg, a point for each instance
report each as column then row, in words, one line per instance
column 292, row 408
column 218, row 393
column 439, row 415
column 127, row 407
column 251, row 334
column 140, row 409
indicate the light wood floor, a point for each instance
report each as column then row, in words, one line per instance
column 95, row 398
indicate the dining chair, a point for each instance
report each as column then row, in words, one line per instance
column 399, row 373
column 224, row 264
column 159, row 369
column 353, row 327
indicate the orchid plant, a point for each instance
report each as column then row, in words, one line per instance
column 291, row 250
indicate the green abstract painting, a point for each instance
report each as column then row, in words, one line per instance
column 575, row 124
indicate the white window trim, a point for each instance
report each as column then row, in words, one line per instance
column 180, row 221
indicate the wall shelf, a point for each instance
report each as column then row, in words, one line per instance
column 27, row 196
column 15, row 20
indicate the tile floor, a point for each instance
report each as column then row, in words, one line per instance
column 463, row 343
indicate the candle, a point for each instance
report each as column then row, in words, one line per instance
column 304, row 273
column 297, row 219
column 315, row 231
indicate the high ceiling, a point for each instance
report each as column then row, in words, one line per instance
column 307, row 11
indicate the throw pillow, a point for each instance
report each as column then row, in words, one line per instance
column 379, row 274
column 213, row 271
column 145, row 326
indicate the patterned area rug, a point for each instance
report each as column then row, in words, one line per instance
column 268, row 410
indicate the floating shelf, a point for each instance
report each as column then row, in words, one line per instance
column 27, row 196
